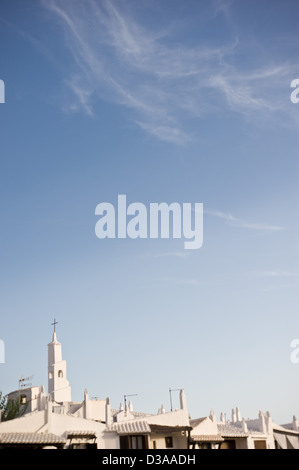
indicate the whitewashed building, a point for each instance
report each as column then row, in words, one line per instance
column 238, row 433
column 53, row 420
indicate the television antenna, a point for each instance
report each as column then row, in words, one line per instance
column 23, row 383
column 125, row 399
column 170, row 391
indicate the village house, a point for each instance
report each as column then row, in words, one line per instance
column 259, row 433
column 53, row 420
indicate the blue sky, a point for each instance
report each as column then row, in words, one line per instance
column 160, row 101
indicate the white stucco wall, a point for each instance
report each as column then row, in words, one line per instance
column 172, row 418
column 110, row 440
column 31, row 394
column 207, row 426
column 61, row 424
column 32, row 422
column 96, row 409
column 179, row 441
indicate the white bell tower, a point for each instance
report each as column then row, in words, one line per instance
column 58, row 385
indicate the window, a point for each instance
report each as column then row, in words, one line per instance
column 60, row 373
column 133, row 442
column 168, row 442
column 205, row 445
column 260, row 444
column 23, row 399
column 50, row 375
column 83, row 446
column 228, row 445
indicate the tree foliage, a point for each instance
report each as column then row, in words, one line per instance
column 11, row 409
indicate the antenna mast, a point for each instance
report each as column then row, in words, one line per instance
column 125, row 399
column 172, row 390
column 23, row 383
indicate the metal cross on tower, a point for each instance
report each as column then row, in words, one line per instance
column 55, row 323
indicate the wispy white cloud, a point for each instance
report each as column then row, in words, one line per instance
column 169, row 133
column 82, row 97
column 242, row 223
column 248, row 92
column 222, row 6
column 161, row 82
column 278, row 273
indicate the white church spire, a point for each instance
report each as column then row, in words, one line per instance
column 58, row 386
